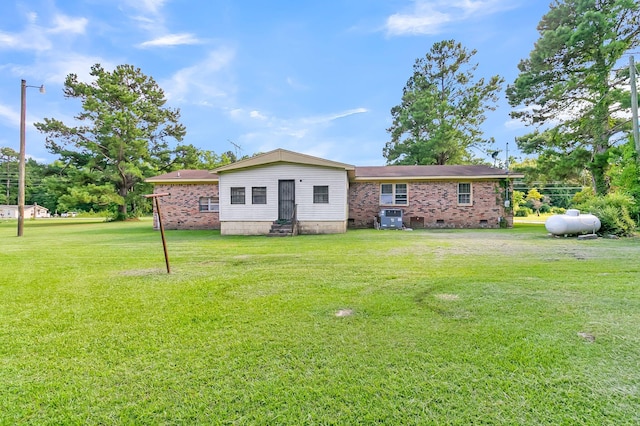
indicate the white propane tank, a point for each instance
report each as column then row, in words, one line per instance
column 572, row 222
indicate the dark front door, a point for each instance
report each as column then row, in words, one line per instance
column 286, row 199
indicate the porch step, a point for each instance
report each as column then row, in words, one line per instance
column 281, row 230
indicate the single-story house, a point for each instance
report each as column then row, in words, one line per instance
column 322, row 196
column 10, row 211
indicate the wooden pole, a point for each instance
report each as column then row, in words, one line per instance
column 156, row 197
column 21, row 158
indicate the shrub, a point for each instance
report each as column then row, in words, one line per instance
column 523, row 212
column 613, row 212
column 558, row 210
column 517, row 200
column 614, row 221
column 545, row 208
column 583, row 196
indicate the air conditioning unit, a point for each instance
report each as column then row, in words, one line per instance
column 391, row 219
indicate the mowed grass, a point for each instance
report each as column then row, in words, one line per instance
column 447, row 327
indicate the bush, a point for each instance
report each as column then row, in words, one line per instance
column 583, row 196
column 613, row 212
column 523, row 212
column 558, row 210
column 615, row 221
column 545, row 208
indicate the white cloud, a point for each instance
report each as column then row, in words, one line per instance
column 31, row 39
column 171, row 40
column 66, row 25
column 295, row 127
column 302, row 134
column 236, row 113
column 60, row 65
column 413, row 24
column 146, row 6
column 202, row 80
column 9, row 116
column 148, row 15
column 323, row 119
column 430, row 17
column 40, row 38
column 294, row 84
column 257, row 115
column 51, row 68
column 32, row 17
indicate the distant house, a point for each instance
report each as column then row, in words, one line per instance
column 323, row 196
column 10, row 211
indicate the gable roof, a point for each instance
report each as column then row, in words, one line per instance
column 185, row 176
column 27, row 206
column 283, row 156
column 365, row 174
column 430, row 173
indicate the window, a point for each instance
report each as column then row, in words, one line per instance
column 209, row 204
column 259, row 195
column 401, row 193
column 321, row 194
column 237, row 195
column 464, row 194
column 393, row 193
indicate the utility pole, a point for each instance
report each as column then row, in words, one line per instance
column 21, row 158
column 634, row 103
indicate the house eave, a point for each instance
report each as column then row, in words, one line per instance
column 282, row 156
column 175, row 181
column 435, row 178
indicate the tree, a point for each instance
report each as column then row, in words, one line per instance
column 535, row 199
column 123, row 131
column 624, row 174
column 9, row 173
column 442, row 108
column 572, row 86
column 190, row 157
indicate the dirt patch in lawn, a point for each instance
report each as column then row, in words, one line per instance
column 143, row 272
column 446, row 296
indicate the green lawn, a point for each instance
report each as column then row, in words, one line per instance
column 448, row 327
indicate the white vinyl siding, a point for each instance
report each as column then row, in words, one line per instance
column 305, row 177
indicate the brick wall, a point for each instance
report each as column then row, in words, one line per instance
column 432, row 205
column 180, row 210
column 364, row 204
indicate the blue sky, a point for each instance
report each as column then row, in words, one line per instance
column 318, row 77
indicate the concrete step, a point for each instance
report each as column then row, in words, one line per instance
column 280, row 234
column 281, row 230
